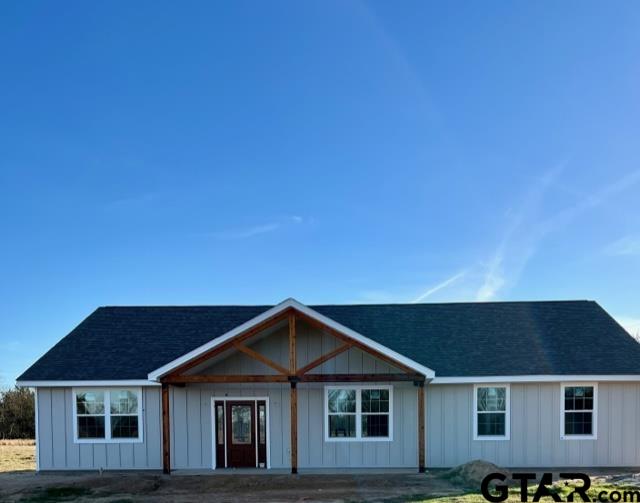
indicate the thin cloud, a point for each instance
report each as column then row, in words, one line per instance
column 630, row 324
column 494, row 279
column 517, row 244
column 628, row 245
column 256, row 230
column 439, row 286
column 247, row 232
column 524, row 232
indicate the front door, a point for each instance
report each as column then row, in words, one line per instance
column 241, row 439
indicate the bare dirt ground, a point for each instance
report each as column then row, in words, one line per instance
column 134, row 487
column 20, row 483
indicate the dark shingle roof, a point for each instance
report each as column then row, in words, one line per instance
column 460, row 339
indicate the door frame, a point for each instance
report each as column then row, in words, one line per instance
column 226, row 399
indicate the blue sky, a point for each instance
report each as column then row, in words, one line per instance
column 346, row 151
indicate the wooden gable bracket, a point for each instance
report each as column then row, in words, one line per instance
column 236, row 342
column 348, row 340
column 319, row 361
column 291, row 315
column 292, row 375
column 261, row 358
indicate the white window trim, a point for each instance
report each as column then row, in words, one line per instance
column 507, row 412
column 107, row 416
column 594, row 412
column 358, row 389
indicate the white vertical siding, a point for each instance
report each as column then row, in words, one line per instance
column 535, row 428
column 58, row 451
column 192, row 428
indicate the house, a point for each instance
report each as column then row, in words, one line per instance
column 520, row 384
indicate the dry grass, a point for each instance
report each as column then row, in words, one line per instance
column 19, row 441
column 17, row 455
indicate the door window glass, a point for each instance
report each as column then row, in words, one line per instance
column 241, row 424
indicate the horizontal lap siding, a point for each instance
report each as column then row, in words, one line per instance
column 535, row 428
column 58, row 451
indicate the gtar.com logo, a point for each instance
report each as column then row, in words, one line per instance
column 495, row 489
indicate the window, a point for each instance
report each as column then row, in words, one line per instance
column 579, row 418
column 358, row 413
column 491, row 412
column 107, row 415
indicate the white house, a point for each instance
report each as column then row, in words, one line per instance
column 295, row 387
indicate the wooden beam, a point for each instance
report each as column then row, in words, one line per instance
column 166, row 440
column 294, row 428
column 292, row 343
column 269, row 322
column 421, row 437
column 360, row 377
column 225, row 378
column 261, row 358
column 358, row 344
column 319, row 361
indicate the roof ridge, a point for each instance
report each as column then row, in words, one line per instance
column 370, row 304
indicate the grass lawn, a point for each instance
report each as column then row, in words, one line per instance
column 17, row 455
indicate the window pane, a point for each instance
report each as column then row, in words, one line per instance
column 220, row 424
column 90, row 402
column 578, row 423
column 375, row 400
column 342, row 400
column 342, row 426
column 124, row 426
column 123, row 402
column 375, row 425
column 492, row 399
column 90, row 426
column 491, row 424
column 241, row 424
column 262, row 424
column 578, row 398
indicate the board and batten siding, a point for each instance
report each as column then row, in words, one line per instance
column 535, row 428
column 58, row 451
column 191, row 409
column 311, row 343
column 192, row 428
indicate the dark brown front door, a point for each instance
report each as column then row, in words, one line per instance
column 241, row 439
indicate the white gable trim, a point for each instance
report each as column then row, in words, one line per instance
column 289, row 303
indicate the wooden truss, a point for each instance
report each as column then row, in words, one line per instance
column 292, row 375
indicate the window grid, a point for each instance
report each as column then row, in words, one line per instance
column 121, row 426
column 348, row 418
column 579, row 411
column 495, row 417
column 90, row 419
column 358, row 415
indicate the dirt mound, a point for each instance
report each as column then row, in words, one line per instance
column 472, row 473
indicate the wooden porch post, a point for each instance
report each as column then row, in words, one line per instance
column 421, row 437
column 166, row 444
column 294, row 393
column 294, row 427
